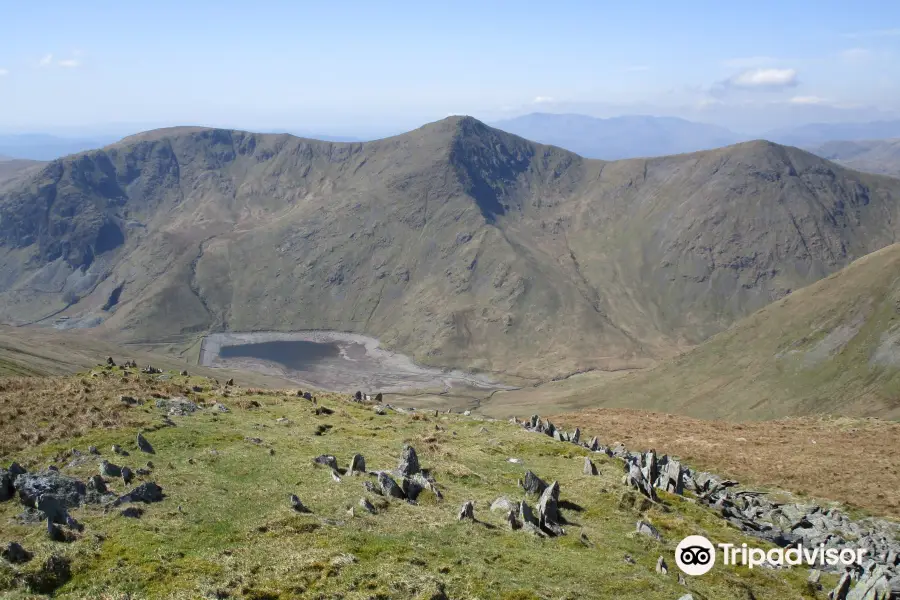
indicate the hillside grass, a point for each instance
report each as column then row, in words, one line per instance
column 226, row 528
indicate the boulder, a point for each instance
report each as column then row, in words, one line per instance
column 534, row 484
column 528, row 520
column 108, row 469
column 179, row 406
column 15, row 553
column 67, row 490
column 372, row 488
column 504, row 504
column 389, row 487
column 127, row 475
column 409, row 462
column 144, row 445
column 589, row 467
column 367, row 506
column 467, row 511
column 842, row 588
column 53, row 508
column 326, row 460
column 132, row 512
column 297, row 505
column 146, row 492
column 548, row 510
column 576, row 436
column 357, row 465
column 644, row 528
column 7, row 489
column 661, row 567
column 594, row 445
column 672, row 478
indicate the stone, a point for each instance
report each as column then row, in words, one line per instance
column 372, row 488
column 389, row 487
column 15, row 553
column 132, row 512
column 307, row 396
column 594, row 445
column 548, row 510
column 128, row 400
column 526, row 515
column 219, row 407
column 534, row 484
column 7, row 489
column 110, row 362
column 644, row 528
column 144, row 445
column 379, row 409
column 467, row 511
column 326, row 460
column 127, row 475
column 108, row 469
column 93, row 450
column 378, row 397
column 589, row 467
column 638, row 481
column 409, row 462
column 367, row 506
column 512, row 521
column 184, row 373
column 253, row 440
column 661, row 567
column 576, row 436
column 68, row 491
column 117, row 449
column 672, row 478
column 297, row 505
column 504, row 504
column 467, row 413
column 146, row 492
column 53, row 574
column 53, row 509
column 842, row 588
column 230, row 382
column 357, row 465
column 358, row 396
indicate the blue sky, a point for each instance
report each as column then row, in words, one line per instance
column 360, row 67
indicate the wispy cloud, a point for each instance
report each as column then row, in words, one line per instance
column 855, row 55
column 764, row 79
column 69, row 63
column 46, row 61
column 807, row 100
column 542, row 100
column 875, row 33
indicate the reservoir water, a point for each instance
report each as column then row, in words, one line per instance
column 297, row 355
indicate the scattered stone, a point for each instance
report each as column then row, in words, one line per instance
column 467, row 413
column 335, row 477
column 321, row 429
column 379, row 409
column 15, row 553
column 585, row 540
column 357, row 465
column 842, row 588
column 108, row 469
column 409, row 462
column 128, row 400
column 529, row 521
column 594, row 446
column 127, row 475
column 548, row 510
column 117, row 449
column 230, row 382
column 372, row 488
column 627, row 558
column 649, row 530
column 132, row 512
column 197, row 388
column 326, row 460
column 55, row 572
column 517, row 461
column 7, row 489
column 358, row 396
column 147, row 492
column 297, row 505
column 178, row 406
column 467, row 511
column 184, row 373
column 151, row 370
column 144, row 445
column 534, row 484
column 95, row 483
column 110, row 362
column 589, row 467
column 93, row 450
column 253, row 440
column 67, row 491
column 378, row 397
column 512, row 521
column 219, row 407
column 142, row 472
column 367, row 506
column 307, row 396
column 389, row 487
column 504, row 504
column 661, row 567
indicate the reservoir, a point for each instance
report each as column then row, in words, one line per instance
column 296, row 355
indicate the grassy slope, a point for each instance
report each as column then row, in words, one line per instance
column 226, row 525
column 813, row 352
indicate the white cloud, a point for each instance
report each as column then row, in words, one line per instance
column 46, row 61
column 807, row 100
column 764, row 79
column 69, row 63
column 874, row 33
column 855, row 55
column 542, row 100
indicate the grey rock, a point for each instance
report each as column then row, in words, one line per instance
column 644, row 528
column 54, row 510
column 389, row 487
column 127, row 475
column 589, row 467
column 178, row 406
column 108, row 469
column 672, row 477
column 512, row 521
column 7, row 489
column 504, row 504
column 15, row 553
column 594, row 445
column 379, row 409
column 357, row 465
column 117, row 449
column 146, row 492
column 467, row 511
column 93, row 450
column 372, row 488
column 132, row 512
column 144, row 445
column 409, row 462
column 326, row 460
column 548, row 510
column 219, row 407
column 841, row 589
column 367, row 506
column 661, row 567
column 95, row 483
column 297, row 505
column 67, row 490
column 534, row 484
column 576, row 436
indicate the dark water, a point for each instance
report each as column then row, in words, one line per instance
column 296, row 355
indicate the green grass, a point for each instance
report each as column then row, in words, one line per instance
column 226, row 526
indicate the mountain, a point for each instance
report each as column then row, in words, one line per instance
column 873, row 156
column 830, row 348
column 13, row 167
column 619, row 137
column 39, row 146
column 457, row 243
column 815, row 134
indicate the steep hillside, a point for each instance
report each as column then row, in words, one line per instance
column 16, row 167
column 456, row 243
column 830, row 348
column 630, row 136
column 873, row 156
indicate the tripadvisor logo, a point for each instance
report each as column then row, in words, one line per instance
column 696, row 555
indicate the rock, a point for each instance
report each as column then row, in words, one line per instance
column 15, row 553
column 379, row 409
column 254, row 440
column 467, row 511
column 297, row 505
column 661, row 567
column 128, row 400
column 389, row 487
column 872, row 585
column 467, row 413
column 358, row 396
column 367, row 506
column 529, row 521
column 814, row 578
column 335, row 477
column 504, row 504
column 327, row 460
column 127, row 475
column 151, row 370
column 132, row 512
column 7, row 489
column 110, row 362
column 219, row 407
column 548, row 510
column 512, row 521
column 409, row 462
column 184, row 373
column 672, row 478
column 594, row 446
column 54, row 572
column 372, row 488
column 117, row 449
column 627, row 558
column 54, row 510
column 644, row 528
column 307, row 396
column 144, row 445
column 93, row 450
column 147, row 492
column 576, row 436
column 638, row 481
column 534, row 484
column 108, row 469
column 589, row 467
column 378, row 397
column 687, row 597
column 230, row 382
column 67, row 491
column 357, row 465
column 841, row 589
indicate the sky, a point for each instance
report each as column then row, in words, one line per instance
column 367, row 68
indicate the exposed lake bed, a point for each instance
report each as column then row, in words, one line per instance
column 333, row 361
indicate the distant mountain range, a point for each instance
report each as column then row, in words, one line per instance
column 41, row 146
column 874, row 156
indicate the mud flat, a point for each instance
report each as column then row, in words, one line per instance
column 333, row 361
